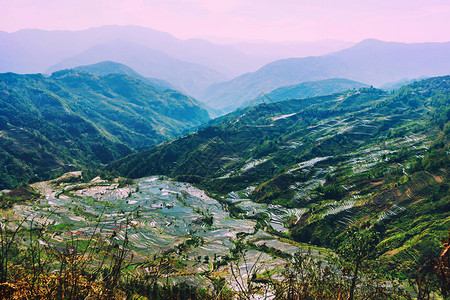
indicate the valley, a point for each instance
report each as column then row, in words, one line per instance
column 146, row 171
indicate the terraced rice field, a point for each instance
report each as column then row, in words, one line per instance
column 157, row 216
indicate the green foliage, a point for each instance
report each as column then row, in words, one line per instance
column 331, row 191
column 311, row 89
column 20, row 194
column 357, row 245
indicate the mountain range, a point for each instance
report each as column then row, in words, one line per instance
column 372, row 62
column 34, row 50
column 39, row 51
column 276, row 51
column 297, row 169
column 207, row 68
column 188, row 77
column 324, row 173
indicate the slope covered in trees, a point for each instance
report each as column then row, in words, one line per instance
column 358, row 158
column 78, row 119
column 307, row 90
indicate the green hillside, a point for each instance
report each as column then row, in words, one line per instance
column 307, row 90
column 358, row 158
column 75, row 119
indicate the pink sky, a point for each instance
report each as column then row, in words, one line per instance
column 231, row 20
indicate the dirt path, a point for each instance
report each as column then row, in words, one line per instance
column 436, row 177
column 43, row 187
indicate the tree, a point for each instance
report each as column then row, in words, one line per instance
column 3, row 122
column 357, row 246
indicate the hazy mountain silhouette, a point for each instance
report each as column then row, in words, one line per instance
column 232, row 94
column 189, row 77
column 371, row 61
column 279, row 50
column 34, row 50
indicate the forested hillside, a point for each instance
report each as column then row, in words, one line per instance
column 307, row 90
column 364, row 158
column 76, row 119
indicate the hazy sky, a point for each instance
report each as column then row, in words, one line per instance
column 223, row 20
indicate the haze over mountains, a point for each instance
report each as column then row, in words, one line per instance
column 201, row 68
column 189, row 77
column 152, row 53
column 34, row 50
column 371, row 61
column 274, row 51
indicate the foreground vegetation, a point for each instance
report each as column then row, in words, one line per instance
column 33, row 266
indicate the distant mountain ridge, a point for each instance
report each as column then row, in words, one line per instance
column 371, row 61
column 198, row 62
column 34, row 50
column 276, row 51
column 189, row 77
